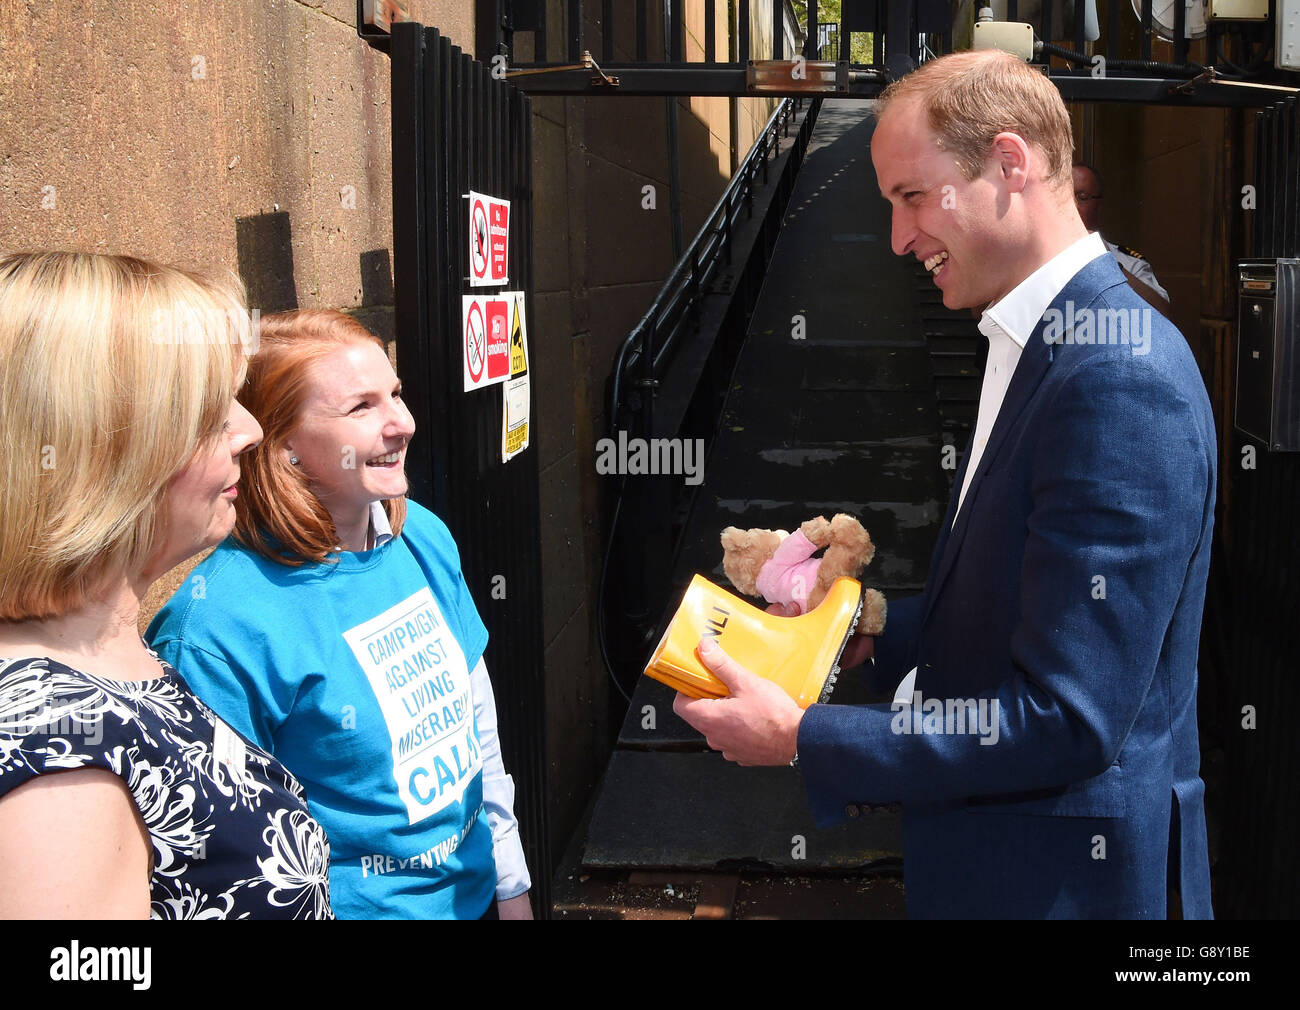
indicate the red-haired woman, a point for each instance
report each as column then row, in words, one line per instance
column 336, row 630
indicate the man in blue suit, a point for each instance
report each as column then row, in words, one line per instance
column 1043, row 739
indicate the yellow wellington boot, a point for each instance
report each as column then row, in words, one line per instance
column 799, row 653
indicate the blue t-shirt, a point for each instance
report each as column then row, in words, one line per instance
column 356, row 675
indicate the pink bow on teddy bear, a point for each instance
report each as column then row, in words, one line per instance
column 781, row 568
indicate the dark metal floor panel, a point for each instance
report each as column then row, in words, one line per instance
column 584, row 894
column 698, row 811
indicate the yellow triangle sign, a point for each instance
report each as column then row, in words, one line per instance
column 518, row 356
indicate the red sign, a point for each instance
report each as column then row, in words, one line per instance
column 498, row 339
column 487, row 338
column 489, row 240
column 475, row 344
column 480, row 242
column 499, row 231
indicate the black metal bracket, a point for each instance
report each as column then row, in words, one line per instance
column 1206, row 76
column 597, row 80
column 373, row 35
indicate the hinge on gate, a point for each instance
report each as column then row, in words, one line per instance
column 587, row 63
column 1206, row 76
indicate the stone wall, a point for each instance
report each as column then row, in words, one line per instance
column 251, row 136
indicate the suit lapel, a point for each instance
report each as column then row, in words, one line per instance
column 1035, row 360
column 945, row 530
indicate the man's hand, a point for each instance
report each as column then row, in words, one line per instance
column 758, row 724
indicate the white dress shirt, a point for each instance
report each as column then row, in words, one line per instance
column 380, row 527
column 1008, row 324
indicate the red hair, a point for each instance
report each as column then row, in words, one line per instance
column 275, row 499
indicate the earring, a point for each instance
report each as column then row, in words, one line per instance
column 293, row 460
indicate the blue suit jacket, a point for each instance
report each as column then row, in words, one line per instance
column 1070, row 591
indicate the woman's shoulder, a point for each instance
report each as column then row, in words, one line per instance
column 424, row 527
column 224, row 818
column 59, row 717
column 231, row 583
column 230, row 560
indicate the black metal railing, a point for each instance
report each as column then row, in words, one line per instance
column 672, row 372
column 648, row 349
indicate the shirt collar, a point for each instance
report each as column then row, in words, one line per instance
column 1018, row 312
column 379, row 524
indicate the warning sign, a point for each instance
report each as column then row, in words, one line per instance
column 475, row 342
column 516, row 395
column 489, row 240
column 488, row 353
column 479, row 243
column 498, row 339
column 518, row 355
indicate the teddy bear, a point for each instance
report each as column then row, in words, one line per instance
column 780, row 566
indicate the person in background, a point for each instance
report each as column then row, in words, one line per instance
column 121, row 795
column 1141, row 277
column 336, row 629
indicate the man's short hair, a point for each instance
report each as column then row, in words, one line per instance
column 113, row 372
column 971, row 97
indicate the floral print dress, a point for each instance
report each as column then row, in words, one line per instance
column 231, row 835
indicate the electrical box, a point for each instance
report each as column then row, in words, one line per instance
column 1012, row 37
column 1268, row 352
column 1286, row 48
column 1238, row 10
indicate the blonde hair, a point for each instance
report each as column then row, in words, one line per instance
column 971, row 97
column 275, row 498
column 113, row 372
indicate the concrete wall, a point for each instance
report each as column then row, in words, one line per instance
column 153, row 127
column 251, row 135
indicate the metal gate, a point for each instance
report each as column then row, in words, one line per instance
column 1263, row 757
column 456, row 129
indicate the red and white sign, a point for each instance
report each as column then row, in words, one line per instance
column 475, row 342
column 489, row 240
column 487, row 338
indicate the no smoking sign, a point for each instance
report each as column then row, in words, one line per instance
column 487, row 339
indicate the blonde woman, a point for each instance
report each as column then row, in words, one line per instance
column 121, row 795
column 336, row 630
